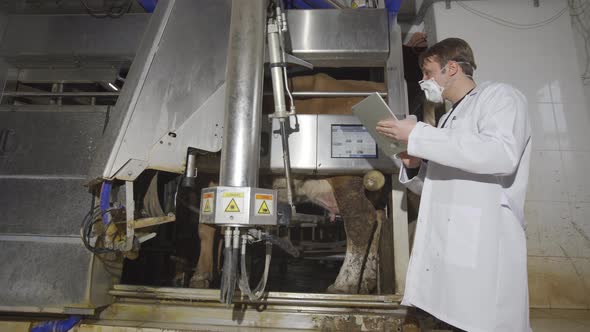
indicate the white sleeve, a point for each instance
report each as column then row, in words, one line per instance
column 494, row 148
column 414, row 184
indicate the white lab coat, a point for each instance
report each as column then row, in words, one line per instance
column 468, row 265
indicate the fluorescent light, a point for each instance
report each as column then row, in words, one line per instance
column 113, row 86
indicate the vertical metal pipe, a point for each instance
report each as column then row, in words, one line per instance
column 240, row 155
column 286, row 161
column 130, row 215
column 60, row 89
column 190, row 173
column 276, row 70
column 53, row 89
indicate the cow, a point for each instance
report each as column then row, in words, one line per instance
column 361, row 211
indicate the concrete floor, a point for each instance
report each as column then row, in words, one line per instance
column 560, row 320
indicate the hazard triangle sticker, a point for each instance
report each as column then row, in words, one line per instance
column 263, row 208
column 207, row 208
column 232, row 206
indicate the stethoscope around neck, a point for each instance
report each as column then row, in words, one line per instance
column 455, row 107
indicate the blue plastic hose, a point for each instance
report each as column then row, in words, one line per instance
column 57, row 325
column 148, row 5
column 105, row 201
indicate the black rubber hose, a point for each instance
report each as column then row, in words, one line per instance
column 225, row 275
column 285, row 245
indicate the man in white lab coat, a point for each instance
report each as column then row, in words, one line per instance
column 468, row 264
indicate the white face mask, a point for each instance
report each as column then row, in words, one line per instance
column 432, row 90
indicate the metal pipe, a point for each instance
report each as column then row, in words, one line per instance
column 240, row 154
column 59, row 94
column 130, row 215
column 286, row 161
column 328, row 94
column 226, row 288
column 53, row 89
column 276, row 70
column 190, row 173
column 272, row 298
column 60, row 89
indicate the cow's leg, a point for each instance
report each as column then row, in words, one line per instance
column 204, row 272
column 370, row 272
column 352, row 269
column 362, row 237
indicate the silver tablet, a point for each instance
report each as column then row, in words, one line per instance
column 372, row 110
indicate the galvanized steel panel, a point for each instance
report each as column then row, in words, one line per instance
column 310, row 148
column 336, row 38
column 72, row 35
column 178, row 68
column 49, row 141
column 41, row 274
column 43, row 206
column 302, row 144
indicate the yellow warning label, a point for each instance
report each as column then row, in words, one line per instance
column 233, row 194
column 207, row 208
column 232, row 206
column 266, row 197
column 263, row 208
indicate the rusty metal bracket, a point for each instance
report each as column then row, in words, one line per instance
column 146, row 222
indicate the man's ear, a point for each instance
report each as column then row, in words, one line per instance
column 453, row 68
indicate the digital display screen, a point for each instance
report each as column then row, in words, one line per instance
column 352, row 141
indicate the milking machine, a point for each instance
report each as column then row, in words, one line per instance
column 247, row 212
column 217, row 105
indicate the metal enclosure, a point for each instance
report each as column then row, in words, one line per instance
column 173, row 96
column 242, row 206
column 319, row 146
column 340, row 38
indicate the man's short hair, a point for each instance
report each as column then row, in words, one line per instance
column 450, row 49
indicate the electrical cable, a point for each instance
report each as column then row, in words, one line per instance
column 511, row 24
column 93, row 217
column 578, row 14
column 113, row 11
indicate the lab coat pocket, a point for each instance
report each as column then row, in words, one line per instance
column 463, row 236
column 458, row 123
column 463, row 124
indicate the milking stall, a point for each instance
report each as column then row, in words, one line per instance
column 192, row 165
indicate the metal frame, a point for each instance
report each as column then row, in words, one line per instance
column 67, row 75
column 394, row 72
column 401, row 244
column 153, row 307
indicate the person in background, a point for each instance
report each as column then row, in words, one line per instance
column 468, row 265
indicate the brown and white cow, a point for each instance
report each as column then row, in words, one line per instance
column 342, row 195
